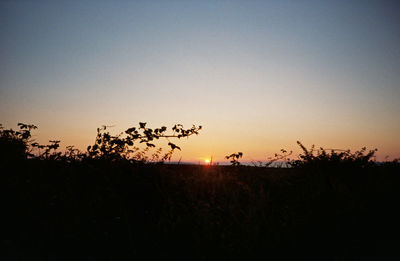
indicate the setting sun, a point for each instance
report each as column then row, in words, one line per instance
column 207, row 161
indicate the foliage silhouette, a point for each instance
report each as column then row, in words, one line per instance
column 280, row 160
column 234, row 158
column 324, row 158
column 19, row 144
column 16, row 144
column 334, row 158
column 121, row 146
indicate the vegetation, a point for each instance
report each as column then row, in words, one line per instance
column 19, row 144
column 334, row 159
column 107, row 203
column 234, row 158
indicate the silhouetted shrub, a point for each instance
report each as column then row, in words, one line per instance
column 334, row 158
column 15, row 145
column 234, row 157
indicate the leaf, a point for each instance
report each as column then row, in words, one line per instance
column 173, row 146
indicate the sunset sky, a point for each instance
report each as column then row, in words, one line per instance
column 257, row 75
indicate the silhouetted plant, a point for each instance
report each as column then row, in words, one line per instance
column 16, row 144
column 48, row 151
column 234, row 158
column 280, row 160
column 19, row 144
column 72, row 154
column 121, row 146
column 334, row 158
column 395, row 163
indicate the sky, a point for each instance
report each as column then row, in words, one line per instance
column 257, row 75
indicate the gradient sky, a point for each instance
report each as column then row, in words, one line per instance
column 258, row 75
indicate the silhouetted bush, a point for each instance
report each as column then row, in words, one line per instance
column 321, row 158
column 15, row 145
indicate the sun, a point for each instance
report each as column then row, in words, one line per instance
column 207, row 161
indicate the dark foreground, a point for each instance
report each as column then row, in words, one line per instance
column 106, row 211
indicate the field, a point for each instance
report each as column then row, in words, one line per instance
column 98, row 209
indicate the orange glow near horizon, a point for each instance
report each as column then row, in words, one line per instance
column 220, row 140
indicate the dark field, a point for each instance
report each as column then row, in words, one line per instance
column 91, row 210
